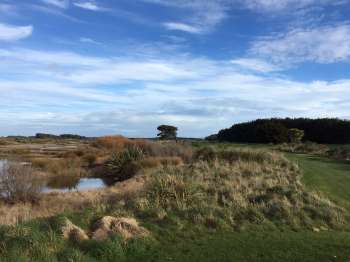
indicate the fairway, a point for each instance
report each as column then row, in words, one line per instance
column 330, row 177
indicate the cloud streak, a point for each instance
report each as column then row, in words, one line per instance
column 89, row 5
column 14, row 33
column 57, row 3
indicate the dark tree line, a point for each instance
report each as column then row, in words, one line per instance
column 63, row 136
column 275, row 130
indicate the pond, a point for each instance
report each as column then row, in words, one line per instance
column 67, row 184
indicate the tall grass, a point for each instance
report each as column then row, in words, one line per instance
column 234, row 187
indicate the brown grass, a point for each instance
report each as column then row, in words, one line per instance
column 116, row 143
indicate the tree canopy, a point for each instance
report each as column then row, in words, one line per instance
column 276, row 130
column 167, row 132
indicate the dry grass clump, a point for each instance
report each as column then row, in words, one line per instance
column 254, row 186
column 127, row 228
column 168, row 149
column 18, row 183
column 73, row 232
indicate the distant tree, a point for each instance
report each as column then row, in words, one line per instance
column 212, row 137
column 295, row 135
column 167, row 132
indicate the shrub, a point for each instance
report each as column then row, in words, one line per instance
column 123, row 165
column 18, row 183
column 304, row 148
column 340, row 152
column 116, row 143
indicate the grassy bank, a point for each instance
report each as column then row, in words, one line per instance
column 227, row 204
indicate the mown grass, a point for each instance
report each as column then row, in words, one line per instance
column 331, row 177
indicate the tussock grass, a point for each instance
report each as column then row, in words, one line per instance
column 232, row 187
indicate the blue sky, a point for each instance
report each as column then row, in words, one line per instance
column 126, row 66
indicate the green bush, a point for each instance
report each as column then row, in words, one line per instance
column 122, row 166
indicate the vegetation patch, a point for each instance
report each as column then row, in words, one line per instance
column 235, row 186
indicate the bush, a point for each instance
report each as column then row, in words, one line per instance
column 18, row 183
column 340, row 152
column 123, row 165
column 115, row 143
column 304, row 148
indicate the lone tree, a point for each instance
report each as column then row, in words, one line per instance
column 295, row 135
column 167, row 132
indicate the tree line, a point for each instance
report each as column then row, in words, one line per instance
column 277, row 130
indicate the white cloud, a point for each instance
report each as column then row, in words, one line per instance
column 13, row 33
column 69, row 92
column 57, row 3
column 284, row 5
column 255, row 65
column 89, row 5
column 327, row 44
column 206, row 15
column 182, row 27
column 89, row 41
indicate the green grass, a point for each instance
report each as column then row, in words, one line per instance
column 260, row 246
column 40, row 241
column 331, row 177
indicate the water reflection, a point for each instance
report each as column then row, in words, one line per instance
column 66, row 184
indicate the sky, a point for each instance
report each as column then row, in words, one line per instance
column 98, row 67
